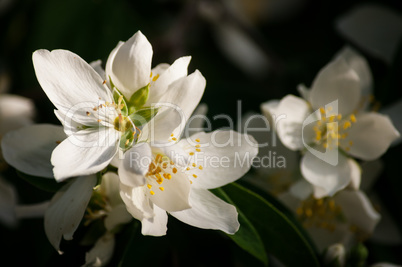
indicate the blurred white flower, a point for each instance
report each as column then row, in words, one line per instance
column 332, row 116
column 176, row 179
column 345, row 218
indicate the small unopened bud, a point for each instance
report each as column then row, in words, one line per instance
column 335, row 256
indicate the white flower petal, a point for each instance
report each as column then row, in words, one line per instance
column 304, row 92
column 358, row 210
column 110, row 187
column 137, row 202
column 179, row 102
column 336, row 81
column 68, row 80
column 301, row 189
column 374, row 28
column 225, row 156
column 67, row 209
column 290, row 115
column 15, row 112
column 101, row 252
column 196, row 122
column 29, row 149
column 172, row 194
column 8, row 202
column 360, row 65
column 131, row 66
column 328, row 177
column 209, row 212
column 174, row 72
column 371, row 136
column 135, row 165
column 84, row 153
column 155, row 226
column 394, row 112
column 269, row 109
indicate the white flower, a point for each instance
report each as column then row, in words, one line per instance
column 176, row 179
column 92, row 119
column 167, row 84
column 100, row 116
column 345, row 218
column 345, row 126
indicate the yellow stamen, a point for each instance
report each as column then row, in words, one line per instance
column 149, row 186
column 152, row 192
column 200, row 167
column 197, row 140
column 195, row 176
column 191, row 153
column 347, row 125
column 198, row 150
column 174, row 170
column 353, row 118
column 161, row 188
column 155, row 78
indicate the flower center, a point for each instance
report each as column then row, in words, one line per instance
column 321, row 213
column 330, row 129
column 122, row 123
column 160, row 168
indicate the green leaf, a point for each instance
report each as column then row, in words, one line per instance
column 247, row 236
column 45, row 184
column 143, row 116
column 281, row 237
column 119, row 99
column 138, row 99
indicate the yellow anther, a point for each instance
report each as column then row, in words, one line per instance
column 318, row 135
column 353, row 118
column 191, row 153
column 200, row 167
column 325, row 145
column 174, row 138
column 174, row 170
column 150, row 75
column 322, row 110
column 157, row 175
column 165, row 175
column 347, row 125
column 198, row 145
column 331, row 118
column 195, row 176
column 152, row 192
column 171, row 135
column 350, row 143
column 169, row 176
column 171, row 163
column 155, row 78
column 188, row 168
column 191, row 182
column 127, row 141
column 161, row 188
column 198, row 150
column 88, row 113
column 160, row 180
column 158, row 170
column 308, row 212
column 197, row 140
column 339, row 117
column 194, row 165
column 164, row 165
column 149, row 186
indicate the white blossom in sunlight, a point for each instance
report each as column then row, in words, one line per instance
column 176, row 179
column 333, row 117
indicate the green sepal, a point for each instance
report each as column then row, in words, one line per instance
column 143, row 116
column 138, row 99
column 116, row 96
column 128, row 135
